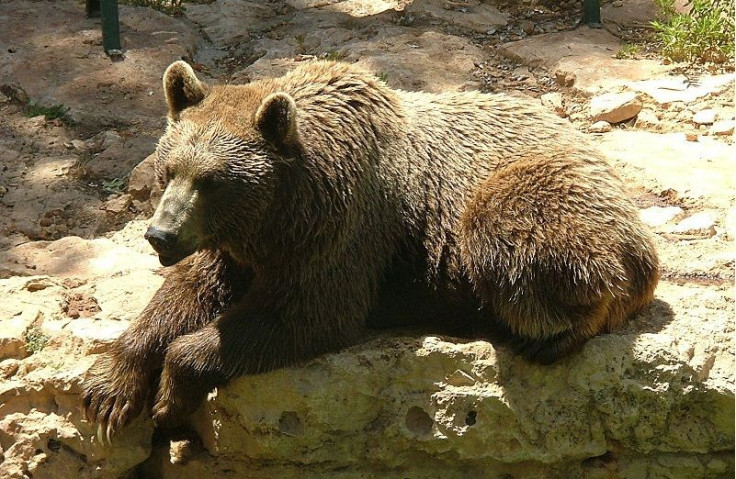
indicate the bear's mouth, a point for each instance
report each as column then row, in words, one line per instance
column 170, row 259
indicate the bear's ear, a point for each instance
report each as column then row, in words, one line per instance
column 275, row 119
column 182, row 88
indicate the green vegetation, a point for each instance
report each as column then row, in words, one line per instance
column 116, row 185
column 383, row 76
column 336, row 55
column 170, row 7
column 628, row 50
column 706, row 33
column 49, row 112
column 35, row 340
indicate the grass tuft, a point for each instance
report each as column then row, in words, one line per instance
column 705, row 34
column 35, row 340
column 628, row 51
column 49, row 112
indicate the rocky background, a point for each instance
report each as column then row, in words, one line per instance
column 654, row 400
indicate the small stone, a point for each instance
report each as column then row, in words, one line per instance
column 554, row 101
column 8, row 368
column 181, row 451
column 37, row 121
column 658, row 215
column 118, row 205
column 618, row 3
column 691, row 136
column 705, row 117
column 38, row 284
column 472, row 86
column 600, row 127
column 730, row 226
column 79, row 145
column 563, row 78
column 3, row 190
column 718, row 466
column 142, row 179
column 615, row 107
column 527, row 26
column 521, row 73
column 722, row 128
column 700, row 224
column 646, row 119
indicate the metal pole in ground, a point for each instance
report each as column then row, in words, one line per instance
column 108, row 10
column 592, row 13
column 110, row 27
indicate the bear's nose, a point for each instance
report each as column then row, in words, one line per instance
column 161, row 240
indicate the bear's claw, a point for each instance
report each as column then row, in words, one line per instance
column 110, row 400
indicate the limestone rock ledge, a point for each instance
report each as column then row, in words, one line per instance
column 653, row 400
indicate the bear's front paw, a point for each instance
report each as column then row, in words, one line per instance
column 175, row 402
column 113, row 395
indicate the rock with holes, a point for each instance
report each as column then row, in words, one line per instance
column 657, row 397
column 62, row 301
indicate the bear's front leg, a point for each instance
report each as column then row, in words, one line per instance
column 119, row 383
column 239, row 342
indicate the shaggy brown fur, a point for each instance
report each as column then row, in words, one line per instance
column 299, row 209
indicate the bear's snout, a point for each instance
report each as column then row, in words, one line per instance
column 161, row 240
column 166, row 243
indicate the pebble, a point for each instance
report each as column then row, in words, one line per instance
column 521, row 73
column 722, row 128
column 119, row 204
column 8, row 368
column 659, row 215
column 700, row 224
column 646, row 118
column 691, row 136
column 600, row 127
column 554, row 101
column 615, row 107
column 705, row 117
column 527, row 26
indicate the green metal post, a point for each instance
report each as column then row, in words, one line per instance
column 110, row 26
column 93, row 8
column 592, row 13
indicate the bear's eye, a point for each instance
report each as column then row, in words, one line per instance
column 205, row 183
column 169, row 174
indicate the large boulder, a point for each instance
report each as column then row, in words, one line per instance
column 657, row 398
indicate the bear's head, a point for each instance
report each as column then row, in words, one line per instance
column 217, row 162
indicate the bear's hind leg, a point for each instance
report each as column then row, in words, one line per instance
column 545, row 348
column 119, row 383
column 547, row 243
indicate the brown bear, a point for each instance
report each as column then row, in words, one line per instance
column 299, row 210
